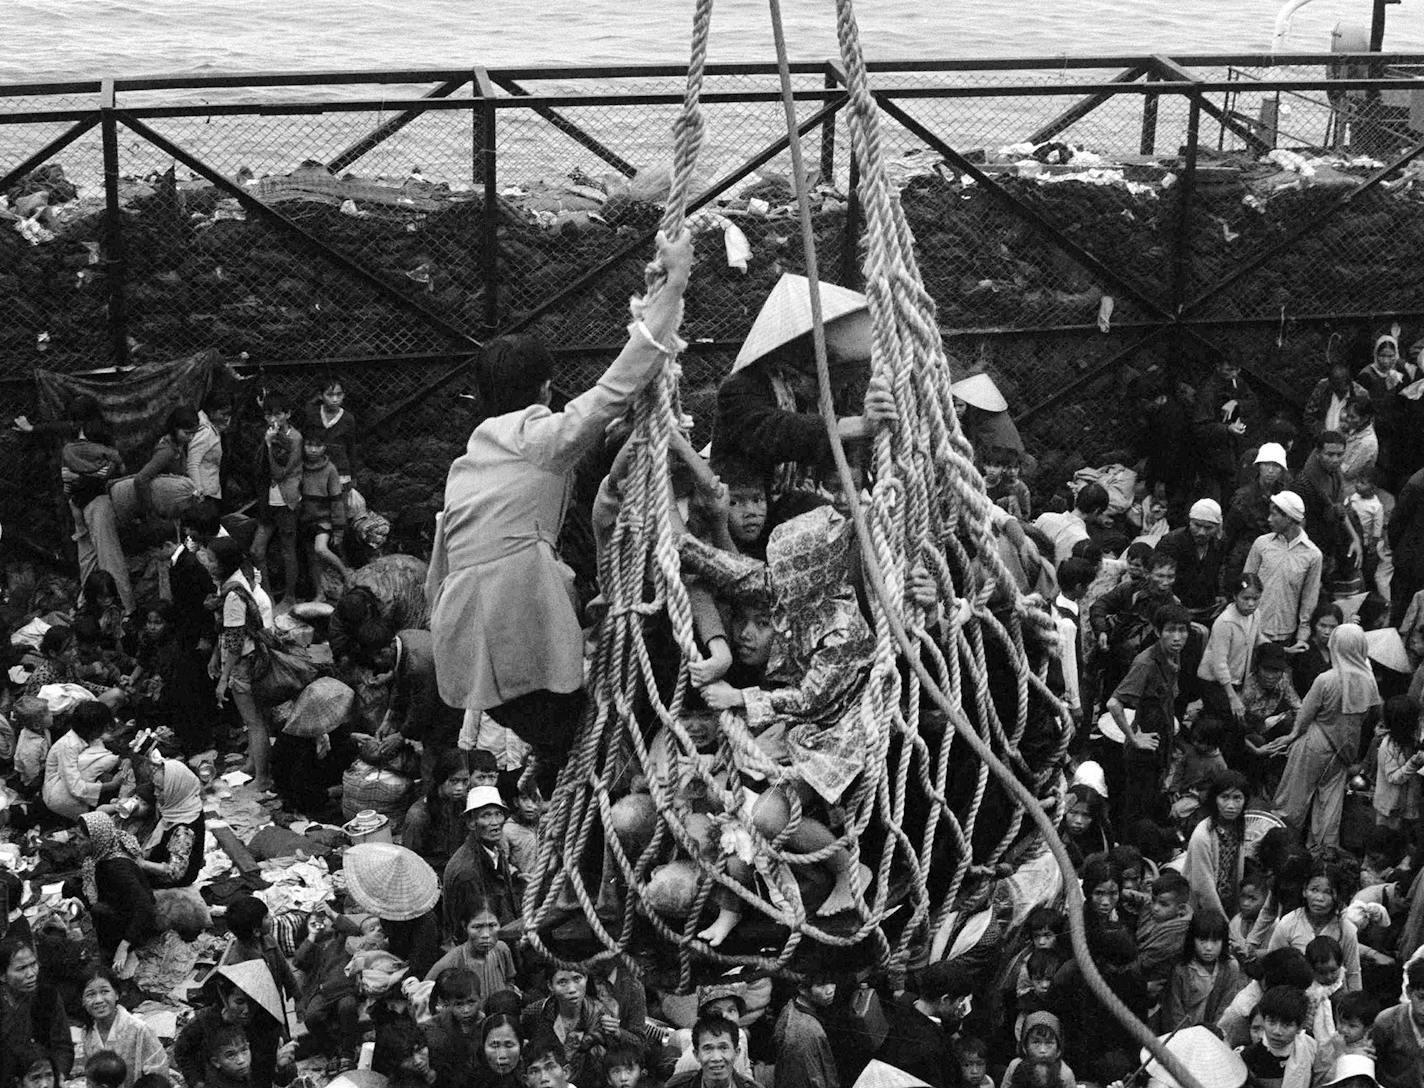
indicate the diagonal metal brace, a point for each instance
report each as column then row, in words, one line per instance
column 571, row 130
column 1304, row 230
column 251, row 204
column 1104, row 272
column 386, row 129
column 58, row 144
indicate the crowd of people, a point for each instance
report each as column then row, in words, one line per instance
column 1233, row 755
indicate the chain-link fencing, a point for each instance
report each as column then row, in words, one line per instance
column 1077, row 222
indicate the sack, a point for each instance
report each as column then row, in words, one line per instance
column 280, row 672
column 170, row 495
column 869, row 1018
column 364, row 786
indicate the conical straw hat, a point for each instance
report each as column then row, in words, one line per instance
column 1387, row 648
column 254, row 978
column 980, row 391
column 786, row 314
column 879, row 1074
column 392, row 882
column 1212, row 1062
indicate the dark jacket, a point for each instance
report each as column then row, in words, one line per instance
column 1218, row 448
column 916, row 1044
column 749, row 424
column 1244, row 520
column 40, row 1020
column 1198, row 576
column 340, row 437
column 126, row 910
column 693, row 1079
column 452, row 1052
column 1318, row 404
column 1399, row 1060
column 472, row 873
column 1406, row 528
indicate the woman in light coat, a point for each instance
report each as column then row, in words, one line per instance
column 504, row 617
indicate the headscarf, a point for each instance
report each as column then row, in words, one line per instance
column 105, row 841
column 1350, row 660
column 180, row 801
column 1386, row 339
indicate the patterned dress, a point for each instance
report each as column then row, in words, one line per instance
column 805, row 714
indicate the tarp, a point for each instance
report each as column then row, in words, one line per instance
column 136, row 403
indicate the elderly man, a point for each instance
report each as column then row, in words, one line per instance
column 1199, row 552
column 1289, row 567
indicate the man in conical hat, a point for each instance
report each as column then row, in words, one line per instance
column 767, row 408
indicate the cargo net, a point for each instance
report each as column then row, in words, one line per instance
column 927, row 508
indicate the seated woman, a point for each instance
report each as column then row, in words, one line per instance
column 804, row 715
column 112, row 884
column 112, row 1027
column 435, row 825
column 58, row 650
column 77, row 776
column 173, row 851
column 31, row 1012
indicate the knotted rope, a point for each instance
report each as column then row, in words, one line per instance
column 928, row 507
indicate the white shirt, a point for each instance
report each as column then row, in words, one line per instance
column 1064, row 530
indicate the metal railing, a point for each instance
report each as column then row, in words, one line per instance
column 450, row 205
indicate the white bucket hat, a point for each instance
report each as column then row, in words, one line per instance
column 1271, row 453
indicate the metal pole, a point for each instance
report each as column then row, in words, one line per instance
column 487, row 172
column 850, row 238
column 1377, row 26
column 113, row 229
column 1148, row 145
column 1182, row 261
column 828, row 138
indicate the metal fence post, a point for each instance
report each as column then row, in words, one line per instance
column 1183, row 256
column 850, row 239
column 1148, row 145
column 114, row 266
column 484, row 119
column 828, row 137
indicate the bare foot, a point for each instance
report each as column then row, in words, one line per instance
column 842, row 896
column 721, row 929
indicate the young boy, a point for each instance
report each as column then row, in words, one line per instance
column 1285, row 1054
column 1250, row 898
column 1162, row 929
column 1001, row 468
column 229, row 1062
column 105, row 1069
column 1040, row 1062
column 546, row 1063
column 322, row 517
column 1327, row 961
column 1041, row 966
column 1355, row 1014
column 1149, row 689
column 452, row 1035
column 972, row 1054
column 279, row 476
column 746, row 506
column 623, row 1066
column 32, row 719
column 1199, row 758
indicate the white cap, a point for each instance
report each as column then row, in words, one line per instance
column 1290, row 504
column 1271, row 453
column 483, row 797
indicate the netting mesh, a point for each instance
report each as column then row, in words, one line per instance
column 407, row 206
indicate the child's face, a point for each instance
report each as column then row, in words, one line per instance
column 277, row 421
column 1079, row 816
column 465, row 1010
column 1041, row 984
column 1165, row 907
column 746, row 513
column 1250, row 899
column 529, row 809
column 333, row 396
column 971, row 1070
column 725, row 1007
column 100, row 1000
column 1271, row 678
column 1208, row 949
column 313, row 451
column 1247, row 601
column 1279, row 1034
column 1352, row 1031
column 153, row 626
column 993, row 474
column 1045, row 939
column 1041, row 1045
column 234, row 1060
column 1366, row 488
column 1163, row 578
column 1327, row 972
column 481, row 776
column 1174, row 637
column 569, row 986
column 40, row 723
column 751, row 636
column 624, row 1076
column 1131, row 880
column 1137, row 571
column 482, row 931
column 39, row 1075
column 546, row 1073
